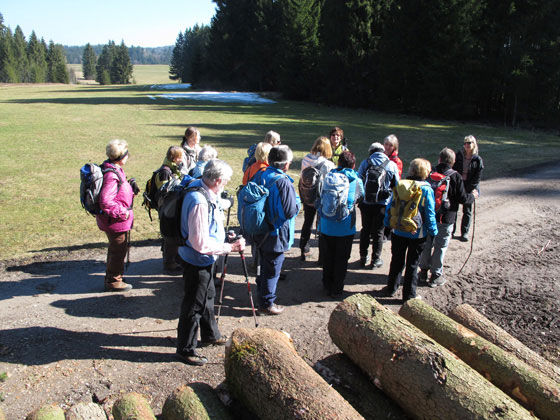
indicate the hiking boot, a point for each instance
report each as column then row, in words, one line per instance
column 218, row 342
column 192, row 358
column 117, row 286
column 464, row 237
column 173, row 270
column 388, row 292
column 436, row 281
column 365, row 261
column 423, row 277
column 378, row 262
column 273, row 309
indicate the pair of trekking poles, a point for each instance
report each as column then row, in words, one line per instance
column 233, row 238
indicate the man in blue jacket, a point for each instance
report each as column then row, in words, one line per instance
column 282, row 206
column 372, row 209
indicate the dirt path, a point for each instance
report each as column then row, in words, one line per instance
column 62, row 340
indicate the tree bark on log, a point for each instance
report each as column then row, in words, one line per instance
column 132, row 406
column 195, row 401
column 529, row 387
column 423, row 377
column 468, row 316
column 264, row 372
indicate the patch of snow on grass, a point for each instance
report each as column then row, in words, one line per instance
column 241, row 97
column 172, row 86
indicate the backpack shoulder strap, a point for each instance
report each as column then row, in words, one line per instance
column 105, row 169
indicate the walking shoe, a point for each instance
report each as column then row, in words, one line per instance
column 378, row 262
column 464, row 237
column 423, row 277
column 193, row 358
column 117, row 286
column 436, row 281
column 388, row 292
column 175, row 270
column 365, row 261
column 218, row 342
column 273, row 309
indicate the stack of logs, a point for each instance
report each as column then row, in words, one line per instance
column 433, row 366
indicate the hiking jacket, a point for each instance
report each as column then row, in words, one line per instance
column 391, row 179
column 312, row 159
column 282, row 206
column 190, row 158
column 198, row 169
column 475, row 170
column 115, row 202
column 395, row 158
column 337, row 152
column 169, row 169
column 346, row 226
column 427, row 211
column 456, row 194
column 253, row 169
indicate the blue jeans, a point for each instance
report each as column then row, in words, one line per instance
column 267, row 280
column 434, row 251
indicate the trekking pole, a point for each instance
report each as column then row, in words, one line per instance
column 223, row 279
column 472, row 239
column 248, row 287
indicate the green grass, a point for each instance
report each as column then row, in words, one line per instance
column 142, row 74
column 48, row 132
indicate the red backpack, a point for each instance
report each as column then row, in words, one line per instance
column 440, row 184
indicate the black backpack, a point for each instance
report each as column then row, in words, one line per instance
column 309, row 183
column 375, row 183
column 171, row 204
column 151, row 192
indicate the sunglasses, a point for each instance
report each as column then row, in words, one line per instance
column 468, row 142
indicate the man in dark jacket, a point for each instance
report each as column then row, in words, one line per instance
column 432, row 257
column 282, row 206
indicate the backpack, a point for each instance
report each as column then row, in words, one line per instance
column 309, row 184
column 440, row 184
column 375, row 183
column 171, row 204
column 91, row 181
column 333, row 199
column 405, row 215
column 151, row 192
column 250, row 159
column 252, row 208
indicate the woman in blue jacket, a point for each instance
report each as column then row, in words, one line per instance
column 337, row 235
column 407, row 246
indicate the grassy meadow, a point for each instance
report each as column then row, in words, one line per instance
column 47, row 132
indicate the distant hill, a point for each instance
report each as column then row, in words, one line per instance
column 138, row 55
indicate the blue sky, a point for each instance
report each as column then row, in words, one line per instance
column 145, row 23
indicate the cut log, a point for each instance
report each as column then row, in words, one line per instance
column 529, row 387
column 86, row 411
column 264, row 372
column 422, row 376
column 47, row 412
column 196, row 401
column 132, row 406
column 468, row 316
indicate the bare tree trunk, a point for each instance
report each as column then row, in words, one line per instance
column 530, row 388
column 423, row 377
column 471, row 318
column 264, row 371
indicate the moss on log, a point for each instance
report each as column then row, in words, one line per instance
column 529, row 387
column 468, row 316
column 264, row 371
column 47, row 412
column 195, row 401
column 132, row 406
column 423, row 377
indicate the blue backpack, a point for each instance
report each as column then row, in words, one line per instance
column 332, row 202
column 252, row 209
column 250, row 159
column 91, row 181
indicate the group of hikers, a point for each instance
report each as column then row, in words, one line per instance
column 417, row 215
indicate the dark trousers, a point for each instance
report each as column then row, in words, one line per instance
column 169, row 249
column 116, row 253
column 336, row 253
column 372, row 229
column 308, row 217
column 467, row 218
column 405, row 249
column 267, row 280
column 197, row 308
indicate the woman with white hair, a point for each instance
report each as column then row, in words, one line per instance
column 206, row 154
column 116, row 218
column 469, row 164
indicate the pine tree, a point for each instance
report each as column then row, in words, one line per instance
column 121, row 68
column 8, row 70
column 88, row 62
column 36, row 53
column 56, row 62
column 176, row 65
column 20, row 56
column 104, row 61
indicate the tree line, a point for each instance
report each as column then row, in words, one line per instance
column 113, row 65
column 466, row 59
column 138, row 55
column 30, row 61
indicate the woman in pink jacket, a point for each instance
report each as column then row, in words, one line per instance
column 115, row 200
